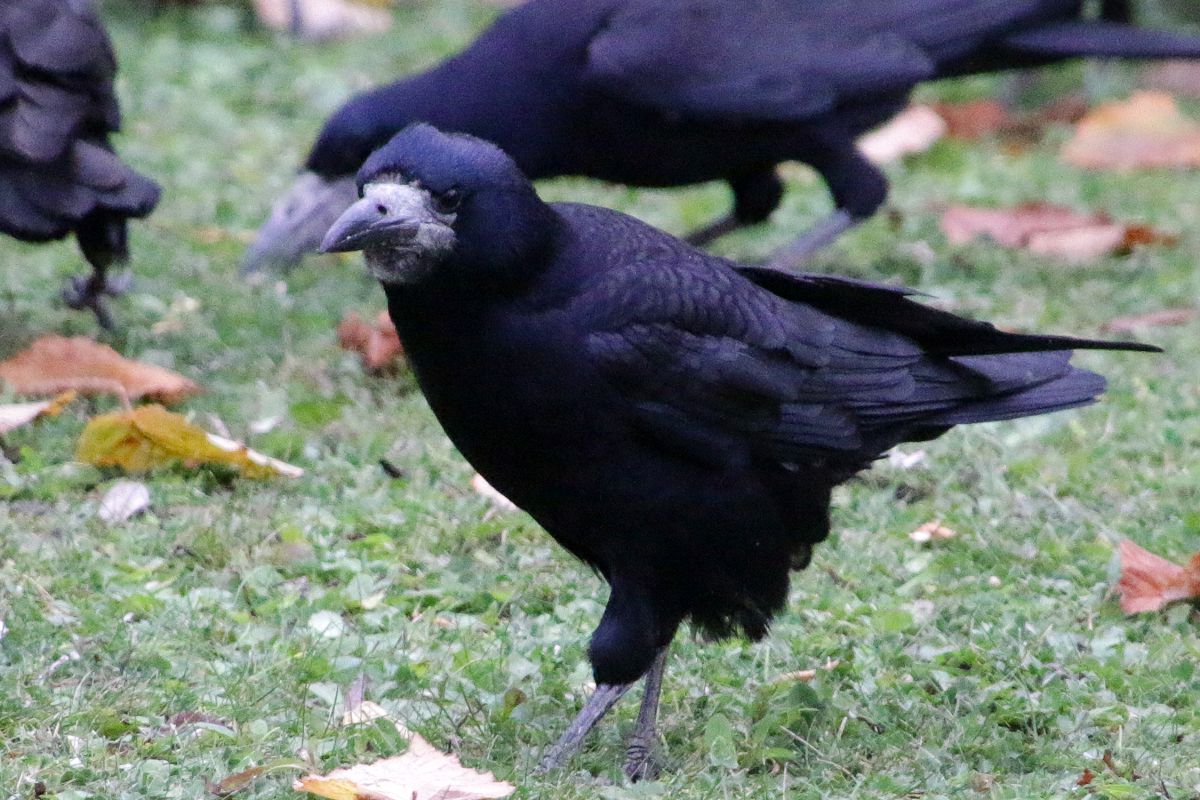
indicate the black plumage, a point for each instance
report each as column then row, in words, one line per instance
column 675, row 92
column 59, row 174
column 673, row 419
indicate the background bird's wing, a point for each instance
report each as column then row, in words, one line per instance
column 57, row 107
column 747, row 61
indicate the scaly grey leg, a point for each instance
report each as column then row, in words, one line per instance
column 641, row 763
column 599, row 704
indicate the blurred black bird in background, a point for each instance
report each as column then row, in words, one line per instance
column 671, row 418
column 676, row 92
column 59, row 174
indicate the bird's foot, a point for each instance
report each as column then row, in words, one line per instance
column 641, row 759
column 603, row 699
column 818, row 237
column 713, row 231
column 89, row 291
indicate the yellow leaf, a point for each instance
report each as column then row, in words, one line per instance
column 150, row 436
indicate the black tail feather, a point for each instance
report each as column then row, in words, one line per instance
column 938, row 332
column 1102, row 39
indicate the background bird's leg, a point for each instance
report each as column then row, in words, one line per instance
column 103, row 242
column 755, row 196
column 599, row 704
column 640, row 760
column 815, row 239
column 858, row 189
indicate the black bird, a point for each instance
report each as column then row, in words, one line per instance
column 676, row 92
column 58, row 172
column 673, row 419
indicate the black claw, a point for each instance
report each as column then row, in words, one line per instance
column 89, row 291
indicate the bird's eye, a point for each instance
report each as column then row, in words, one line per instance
column 447, row 202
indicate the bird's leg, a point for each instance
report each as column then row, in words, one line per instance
column 89, row 292
column 858, row 188
column 599, row 704
column 641, row 763
column 755, row 196
column 816, row 238
column 713, row 231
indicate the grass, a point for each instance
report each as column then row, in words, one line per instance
column 993, row 665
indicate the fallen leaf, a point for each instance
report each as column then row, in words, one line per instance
column 1177, row 77
column 904, row 460
column 806, row 675
column 931, row 531
column 378, row 345
column 1048, row 230
column 914, row 130
column 123, row 501
column 235, row 783
column 150, row 436
column 321, row 20
column 980, row 118
column 1147, row 131
column 54, row 364
column 1153, row 319
column 16, row 415
column 1148, row 582
column 480, row 485
column 423, row 772
column 975, row 119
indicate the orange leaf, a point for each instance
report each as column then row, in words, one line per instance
column 975, row 119
column 150, row 436
column 1148, row 582
column 1047, row 230
column 378, row 345
column 54, row 364
column 1147, row 131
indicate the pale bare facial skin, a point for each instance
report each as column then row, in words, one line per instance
column 403, row 236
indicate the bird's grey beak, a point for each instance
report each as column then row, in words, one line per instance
column 388, row 214
column 298, row 221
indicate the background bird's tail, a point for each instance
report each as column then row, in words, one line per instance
column 1102, row 39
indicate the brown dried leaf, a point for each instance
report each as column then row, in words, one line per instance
column 1154, row 319
column 806, row 675
column 1048, row 230
column 914, row 130
column 423, row 772
column 975, row 119
column 1180, row 78
column 150, row 436
column 1148, row 582
column 1147, row 131
column 321, row 20
column 16, row 415
column 378, row 345
column 54, row 364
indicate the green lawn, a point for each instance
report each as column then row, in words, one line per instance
column 995, row 664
